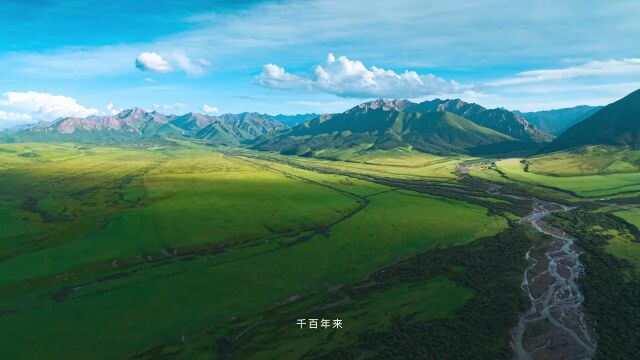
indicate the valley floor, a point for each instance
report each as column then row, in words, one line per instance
column 188, row 251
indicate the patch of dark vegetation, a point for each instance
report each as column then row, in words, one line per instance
column 156, row 352
column 28, row 155
column 478, row 330
column 611, row 285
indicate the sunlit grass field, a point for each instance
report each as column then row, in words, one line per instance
column 397, row 163
column 588, row 160
column 593, row 186
column 626, row 245
column 112, row 251
column 631, row 214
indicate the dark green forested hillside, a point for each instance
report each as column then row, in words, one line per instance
column 501, row 120
column 615, row 124
column 555, row 122
column 380, row 128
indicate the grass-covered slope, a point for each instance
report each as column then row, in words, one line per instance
column 587, row 184
column 500, row 120
column 615, row 124
column 587, row 160
column 378, row 128
column 119, row 251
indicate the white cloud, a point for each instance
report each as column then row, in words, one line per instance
column 149, row 80
column 13, row 117
column 450, row 38
column 207, row 109
column 188, row 65
column 351, row 78
column 590, row 69
column 112, row 109
column 152, row 62
column 44, row 106
column 169, row 107
column 276, row 77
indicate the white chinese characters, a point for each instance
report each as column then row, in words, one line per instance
column 316, row 324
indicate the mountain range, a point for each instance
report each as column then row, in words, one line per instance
column 498, row 119
column 616, row 124
column 138, row 124
column 449, row 126
column 555, row 122
column 436, row 126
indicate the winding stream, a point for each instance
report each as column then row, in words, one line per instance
column 555, row 326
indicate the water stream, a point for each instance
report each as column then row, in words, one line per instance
column 555, row 326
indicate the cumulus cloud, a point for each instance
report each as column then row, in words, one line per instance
column 351, row 78
column 276, row 77
column 44, row 106
column 169, row 107
column 629, row 66
column 152, row 62
column 112, row 109
column 207, row 109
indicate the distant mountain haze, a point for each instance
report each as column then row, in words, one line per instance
column 293, row 120
column 555, row 122
column 615, row 124
column 136, row 123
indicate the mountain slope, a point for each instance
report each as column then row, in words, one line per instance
column 137, row 124
column 501, row 120
column 615, row 124
column 382, row 127
column 293, row 120
column 555, row 122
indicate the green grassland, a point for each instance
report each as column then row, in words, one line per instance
column 623, row 244
column 398, row 164
column 117, row 251
column 436, row 298
column 593, row 186
column 631, row 214
column 588, row 160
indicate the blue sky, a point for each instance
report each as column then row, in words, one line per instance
column 77, row 58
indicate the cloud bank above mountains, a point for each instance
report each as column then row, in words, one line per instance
column 351, row 78
column 42, row 106
column 521, row 56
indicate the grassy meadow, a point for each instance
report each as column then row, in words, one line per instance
column 111, row 252
column 590, row 184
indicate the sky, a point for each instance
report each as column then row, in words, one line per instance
column 83, row 57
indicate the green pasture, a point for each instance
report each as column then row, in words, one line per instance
column 402, row 164
column 631, row 214
column 588, row 160
column 588, row 185
column 436, row 298
column 199, row 239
